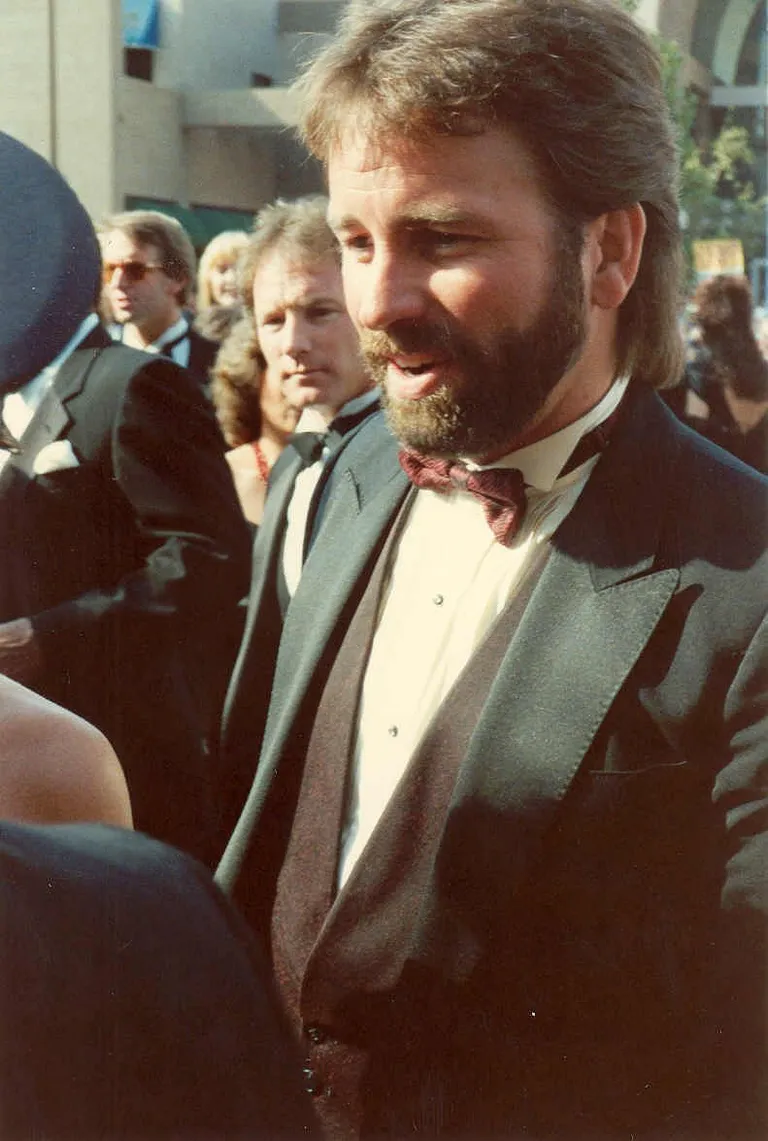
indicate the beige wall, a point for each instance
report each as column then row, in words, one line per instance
column 25, row 65
column 57, row 63
column 87, row 45
column 149, row 148
column 230, row 168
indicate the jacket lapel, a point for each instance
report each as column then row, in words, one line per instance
column 266, row 551
column 612, row 573
column 362, row 504
column 52, row 418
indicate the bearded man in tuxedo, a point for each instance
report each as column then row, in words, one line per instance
column 507, row 836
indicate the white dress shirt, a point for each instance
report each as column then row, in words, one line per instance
column 19, row 407
column 178, row 332
column 448, row 582
column 304, row 488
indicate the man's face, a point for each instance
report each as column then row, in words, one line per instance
column 305, row 333
column 137, row 290
column 468, row 296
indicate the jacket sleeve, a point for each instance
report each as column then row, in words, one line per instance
column 190, row 543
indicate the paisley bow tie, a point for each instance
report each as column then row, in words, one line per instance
column 500, row 490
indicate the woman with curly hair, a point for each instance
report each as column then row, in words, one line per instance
column 726, row 376
column 255, row 417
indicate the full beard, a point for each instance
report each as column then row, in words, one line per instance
column 503, row 382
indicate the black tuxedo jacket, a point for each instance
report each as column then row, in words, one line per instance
column 130, row 560
column 247, row 698
column 589, row 958
column 134, row 1004
column 202, row 354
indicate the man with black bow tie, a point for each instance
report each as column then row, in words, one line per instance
column 149, row 277
column 507, row 835
column 291, row 280
column 124, row 551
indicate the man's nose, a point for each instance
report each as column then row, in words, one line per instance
column 117, row 277
column 297, row 338
column 383, row 291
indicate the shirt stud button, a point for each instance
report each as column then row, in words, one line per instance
column 393, row 730
column 438, row 600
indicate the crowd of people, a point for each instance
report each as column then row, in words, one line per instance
column 383, row 689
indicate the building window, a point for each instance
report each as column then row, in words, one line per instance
column 138, row 62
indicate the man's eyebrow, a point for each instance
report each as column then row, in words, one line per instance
column 425, row 213
column 319, row 299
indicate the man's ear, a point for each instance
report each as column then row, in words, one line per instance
column 616, row 243
column 180, row 285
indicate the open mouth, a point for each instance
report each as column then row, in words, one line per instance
column 411, row 379
column 417, row 367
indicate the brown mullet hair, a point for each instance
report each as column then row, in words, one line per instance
column 577, row 81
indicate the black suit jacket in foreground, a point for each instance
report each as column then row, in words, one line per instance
column 134, row 1005
column 130, row 560
column 588, row 962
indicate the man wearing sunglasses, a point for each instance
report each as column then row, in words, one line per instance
column 149, row 274
column 123, row 550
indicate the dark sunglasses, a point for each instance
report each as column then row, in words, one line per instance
column 133, row 271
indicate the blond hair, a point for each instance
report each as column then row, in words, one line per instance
column 225, row 247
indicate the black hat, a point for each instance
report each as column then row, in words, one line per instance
column 50, row 265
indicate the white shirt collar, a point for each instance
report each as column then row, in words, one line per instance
column 177, row 329
column 542, row 462
column 311, row 420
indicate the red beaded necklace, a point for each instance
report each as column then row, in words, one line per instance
column 261, row 461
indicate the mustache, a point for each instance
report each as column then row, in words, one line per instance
column 379, row 345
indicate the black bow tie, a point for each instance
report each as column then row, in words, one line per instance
column 309, row 445
column 312, row 445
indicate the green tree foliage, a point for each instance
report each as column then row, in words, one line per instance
column 717, row 195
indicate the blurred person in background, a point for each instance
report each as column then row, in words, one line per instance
column 724, row 391
column 123, row 551
column 254, row 413
column 149, row 279
column 219, row 303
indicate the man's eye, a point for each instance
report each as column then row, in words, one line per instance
column 356, row 242
column 442, row 241
column 320, row 312
column 272, row 321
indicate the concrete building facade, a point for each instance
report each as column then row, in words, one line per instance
column 201, row 125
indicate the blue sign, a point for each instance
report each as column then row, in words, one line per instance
column 141, row 23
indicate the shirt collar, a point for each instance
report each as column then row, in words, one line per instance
column 312, row 421
column 542, row 462
column 173, row 332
